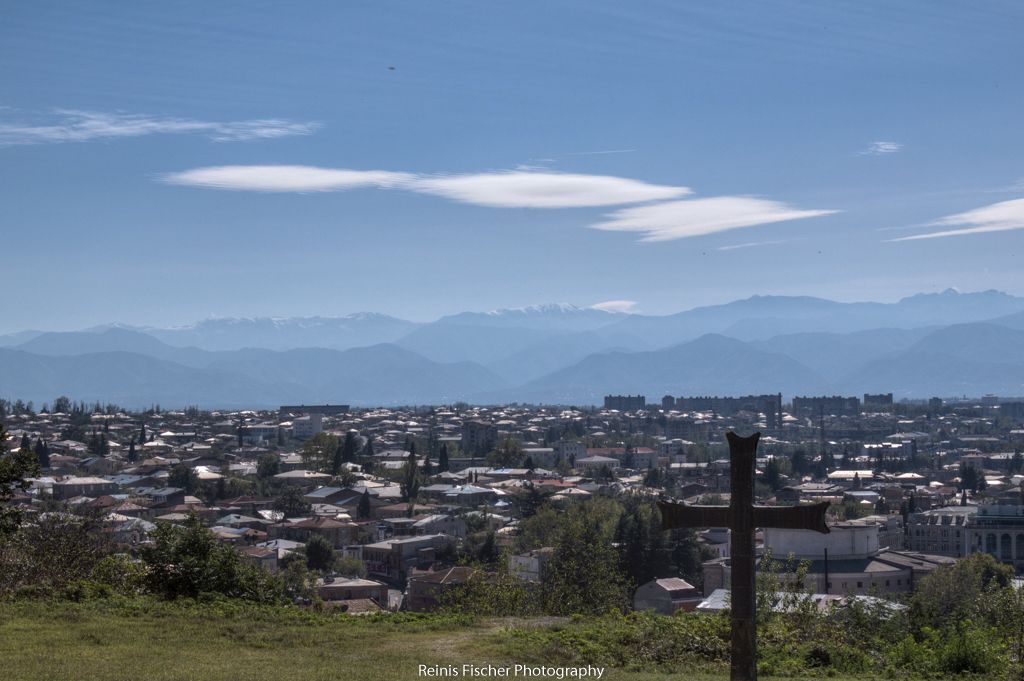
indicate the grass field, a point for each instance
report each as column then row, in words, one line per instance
column 151, row 641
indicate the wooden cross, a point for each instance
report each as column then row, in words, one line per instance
column 741, row 516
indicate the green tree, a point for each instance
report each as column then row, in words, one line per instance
column 350, row 567
column 15, row 469
column 319, row 553
column 350, row 447
column 508, row 454
column 52, row 552
column 187, row 561
column 268, row 465
column 184, row 477
column 410, row 484
column 318, row 452
column 584, row 574
column 956, row 592
column 488, row 553
column 971, row 479
column 298, row 582
column 42, row 452
column 442, row 458
column 363, row 507
column 772, row 474
column 290, row 502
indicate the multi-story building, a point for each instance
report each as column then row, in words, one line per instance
column 879, row 402
column 941, row 531
column 848, row 560
column 833, row 405
column 625, row 402
column 478, row 437
column 305, row 427
column 769, row 405
column 998, row 529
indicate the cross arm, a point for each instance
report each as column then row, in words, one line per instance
column 675, row 514
column 805, row 517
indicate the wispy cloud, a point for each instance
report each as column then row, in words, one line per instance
column 697, row 217
column 880, row 148
column 752, row 244
column 997, row 217
column 623, row 306
column 602, row 152
column 519, row 189
column 513, row 189
column 72, row 125
column 300, row 179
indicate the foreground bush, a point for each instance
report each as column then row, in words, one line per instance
column 188, row 561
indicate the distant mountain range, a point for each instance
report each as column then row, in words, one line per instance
column 944, row 344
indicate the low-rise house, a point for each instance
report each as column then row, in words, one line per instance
column 426, row 590
column 162, row 497
column 666, row 596
column 470, row 495
column 393, row 559
column 302, row 478
column 337, row 532
column 260, row 556
column 530, row 566
column 450, row 525
column 330, row 495
column 83, row 487
column 346, row 589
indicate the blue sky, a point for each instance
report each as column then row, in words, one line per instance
column 165, row 162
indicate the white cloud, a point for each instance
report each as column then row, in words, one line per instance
column 286, row 178
column 72, row 125
column 520, row 189
column 514, row 189
column 998, row 217
column 879, row 148
column 697, row 217
column 752, row 244
column 659, row 221
column 623, row 306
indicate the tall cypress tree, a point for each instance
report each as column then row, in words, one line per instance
column 363, row 508
column 132, row 455
column 349, row 447
column 42, row 453
column 442, row 459
column 411, row 477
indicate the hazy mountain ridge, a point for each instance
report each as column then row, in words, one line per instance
column 554, row 353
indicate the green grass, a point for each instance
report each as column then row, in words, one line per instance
column 145, row 640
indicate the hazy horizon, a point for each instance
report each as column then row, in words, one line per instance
column 613, row 307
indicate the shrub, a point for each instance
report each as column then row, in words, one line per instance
column 186, row 561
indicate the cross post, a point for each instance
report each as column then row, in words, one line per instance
column 742, row 517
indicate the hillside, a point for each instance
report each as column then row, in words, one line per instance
column 130, row 640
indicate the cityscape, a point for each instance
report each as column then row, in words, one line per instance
column 552, row 339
